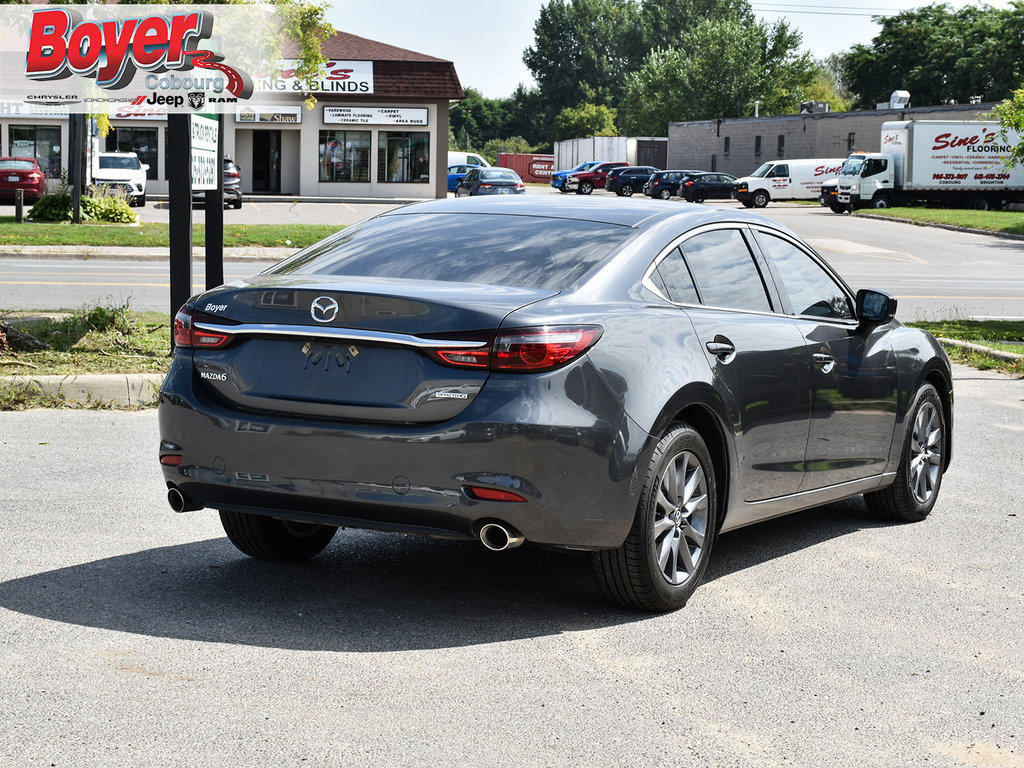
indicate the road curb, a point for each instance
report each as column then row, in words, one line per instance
column 107, row 389
column 998, row 354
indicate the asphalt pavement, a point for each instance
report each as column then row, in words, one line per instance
column 130, row 635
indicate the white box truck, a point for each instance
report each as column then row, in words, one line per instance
column 786, row 180
column 938, row 161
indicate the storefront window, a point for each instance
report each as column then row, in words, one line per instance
column 344, row 156
column 403, row 156
column 41, row 143
column 141, row 141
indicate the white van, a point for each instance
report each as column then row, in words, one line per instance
column 466, row 158
column 786, row 180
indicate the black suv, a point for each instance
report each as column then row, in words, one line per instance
column 664, row 184
column 629, row 179
column 707, row 186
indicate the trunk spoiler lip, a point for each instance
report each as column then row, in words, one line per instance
column 340, row 334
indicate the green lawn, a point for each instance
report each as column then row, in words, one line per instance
column 156, row 235
column 998, row 334
column 1006, row 222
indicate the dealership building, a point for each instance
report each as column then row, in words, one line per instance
column 379, row 128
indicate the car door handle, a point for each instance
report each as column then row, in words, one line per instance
column 720, row 348
column 825, row 361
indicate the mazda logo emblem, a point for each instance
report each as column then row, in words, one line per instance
column 324, row 309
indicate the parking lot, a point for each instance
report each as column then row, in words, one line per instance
column 134, row 636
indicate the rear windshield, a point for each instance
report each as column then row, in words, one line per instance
column 120, row 163
column 496, row 174
column 17, row 165
column 494, row 249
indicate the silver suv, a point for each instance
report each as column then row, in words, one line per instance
column 122, row 170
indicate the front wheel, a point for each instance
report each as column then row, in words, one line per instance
column 267, row 538
column 586, row 188
column 759, row 199
column 912, row 495
column 881, row 200
column 665, row 555
column 836, row 208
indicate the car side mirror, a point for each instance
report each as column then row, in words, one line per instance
column 145, row 166
column 874, row 307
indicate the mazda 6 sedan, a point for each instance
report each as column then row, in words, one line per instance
column 627, row 378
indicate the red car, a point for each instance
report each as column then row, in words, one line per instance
column 21, row 173
column 587, row 181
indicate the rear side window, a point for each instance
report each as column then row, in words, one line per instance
column 494, row 249
column 725, row 272
column 676, row 280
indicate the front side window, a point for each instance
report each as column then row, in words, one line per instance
column 345, row 156
column 403, row 157
column 811, row 290
column 724, row 270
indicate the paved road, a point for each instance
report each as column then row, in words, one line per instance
column 133, row 636
column 935, row 273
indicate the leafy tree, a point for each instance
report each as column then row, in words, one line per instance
column 476, row 119
column 719, row 69
column 941, row 55
column 513, row 145
column 1011, row 118
column 585, row 120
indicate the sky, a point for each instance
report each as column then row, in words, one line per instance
column 486, row 39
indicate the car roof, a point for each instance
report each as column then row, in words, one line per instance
column 635, row 213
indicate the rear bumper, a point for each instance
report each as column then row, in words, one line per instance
column 576, row 467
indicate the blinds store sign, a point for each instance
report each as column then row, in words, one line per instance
column 339, row 77
column 375, row 115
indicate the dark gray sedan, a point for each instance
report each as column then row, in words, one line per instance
column 490, row 181
column 626, row 378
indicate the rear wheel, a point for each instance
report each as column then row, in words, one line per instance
column 665, row 555
column 267, row 538
column 626, row 190
column 698, row 198
column 911, row 497
column 979, row 203
column 665, row 194
column 759, row 199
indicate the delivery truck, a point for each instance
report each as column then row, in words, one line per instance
column 955, row 163
column 786, row 180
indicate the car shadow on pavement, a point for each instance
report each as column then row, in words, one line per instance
column 371, row 592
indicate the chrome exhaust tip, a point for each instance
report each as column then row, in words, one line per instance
column 498, row 537
column 178, row 501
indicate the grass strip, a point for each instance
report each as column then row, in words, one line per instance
column 155, row 235
column 1003, row 222
column 1005, row 335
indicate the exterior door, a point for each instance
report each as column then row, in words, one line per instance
column 266, row 162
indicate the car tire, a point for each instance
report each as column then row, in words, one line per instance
column 666, row 552
column 698, row 198
column 267, row 538
column 563, row 189
column 881, row 200
column 759, row 199
column 585, row 188
column 913, row 493
column 626, row 190
column 665, row 194
column 237, row 205
column 838, row 208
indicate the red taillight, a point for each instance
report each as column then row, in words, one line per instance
column 34, row 176
column 656, row 183
column 183, row 328
column 232, row 174
column 491, row 494
column 486, row 186
column 526, row 350
column 186, row 335
column 689, row 183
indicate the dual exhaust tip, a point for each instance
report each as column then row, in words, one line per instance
column 498, row 536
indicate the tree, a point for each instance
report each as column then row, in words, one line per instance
column 719, row 69
column 1011, row 118
column 941, row 56
column 585, row 120
column 511, row 145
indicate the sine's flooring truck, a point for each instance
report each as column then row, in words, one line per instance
column 939, row 161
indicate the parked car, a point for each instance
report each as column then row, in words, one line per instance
column 664, row 184
column 706, row 186
column 457, row 173
column 122, row 170
column 232, row 186
column 490, row 181
column 626, row 379
column 586, row 181
column 627, row 179
column 21, row 173
column 558, row 177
